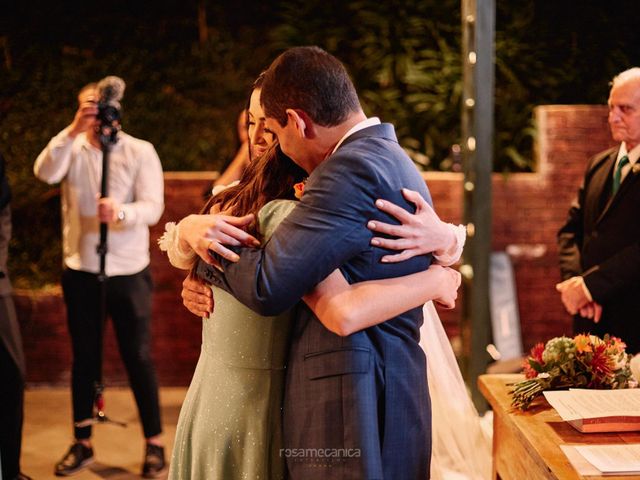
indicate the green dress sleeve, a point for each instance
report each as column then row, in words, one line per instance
column 272, row 214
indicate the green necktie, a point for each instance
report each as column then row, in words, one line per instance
column 618, row 173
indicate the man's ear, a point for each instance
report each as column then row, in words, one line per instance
column 303, row 123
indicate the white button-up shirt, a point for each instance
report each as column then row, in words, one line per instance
column 633, row 155
column 135, row 181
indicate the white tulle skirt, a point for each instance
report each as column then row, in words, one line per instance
column 461, row 447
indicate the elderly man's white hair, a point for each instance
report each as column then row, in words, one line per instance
column 627, row 75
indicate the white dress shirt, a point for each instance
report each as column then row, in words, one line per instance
column 633, row 155
column 368, row 122
column 135, row 181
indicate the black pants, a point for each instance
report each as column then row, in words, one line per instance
column 129, row 306
column 11, row 403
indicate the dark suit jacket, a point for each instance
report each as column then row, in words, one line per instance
column 355, row 407
column 601, row 241
column 9, row 328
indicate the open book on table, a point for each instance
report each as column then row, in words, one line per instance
column 598, row 410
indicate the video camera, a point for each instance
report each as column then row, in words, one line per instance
column 110, row 92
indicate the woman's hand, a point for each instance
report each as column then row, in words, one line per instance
column 419, row 233
column 447, row 281
column 197, row 297
column 202, row 233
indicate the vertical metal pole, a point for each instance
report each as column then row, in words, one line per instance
column 478, row 27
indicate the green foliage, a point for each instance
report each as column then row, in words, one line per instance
column 184, row 94
column 181, row 96
column 404, row 58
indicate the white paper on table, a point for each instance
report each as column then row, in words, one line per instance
column 563, row 404
column 579, row 463
column 623, row 458
column 576, row 404
column 582, row 465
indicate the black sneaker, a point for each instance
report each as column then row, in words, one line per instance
column 77, row 458
column 154, row 464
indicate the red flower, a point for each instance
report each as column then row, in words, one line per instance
column 529, row 371
column 536, row 352
column 600, row 364
column 533, row 365
column 298, row 189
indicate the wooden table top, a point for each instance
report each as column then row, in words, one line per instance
column 542, row 430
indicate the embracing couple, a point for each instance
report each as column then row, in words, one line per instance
column 309, row 287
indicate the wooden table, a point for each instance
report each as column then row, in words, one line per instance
column 526, row 445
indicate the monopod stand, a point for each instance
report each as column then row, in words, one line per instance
column 108, row 137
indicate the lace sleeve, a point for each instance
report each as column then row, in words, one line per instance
column 452, row 255
column 220, row 188
column 170, row 242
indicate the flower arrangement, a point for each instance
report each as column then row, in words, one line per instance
column 584, row 361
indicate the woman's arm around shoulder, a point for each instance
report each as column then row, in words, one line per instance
column 344, row 309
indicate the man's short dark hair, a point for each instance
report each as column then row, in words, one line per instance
column 312, row 80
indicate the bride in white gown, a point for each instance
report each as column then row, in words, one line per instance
column 461, row 449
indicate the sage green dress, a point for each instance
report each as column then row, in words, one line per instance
column 230, row 425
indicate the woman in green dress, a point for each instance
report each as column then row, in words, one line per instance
column 230, row 423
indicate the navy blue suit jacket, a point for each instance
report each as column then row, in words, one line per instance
column 355, row 407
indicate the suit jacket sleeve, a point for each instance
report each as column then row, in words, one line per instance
column 5, row 230
column 614, row 274
column 570, row 236
column 5, row 190
column 323, row 231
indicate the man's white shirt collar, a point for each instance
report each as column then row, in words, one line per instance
column 369, row 122
column 633, row 155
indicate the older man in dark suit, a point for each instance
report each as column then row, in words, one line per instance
column 600, row 243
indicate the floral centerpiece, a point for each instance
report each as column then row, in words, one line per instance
column 584, row 361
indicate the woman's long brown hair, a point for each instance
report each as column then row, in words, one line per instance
column 269, row 177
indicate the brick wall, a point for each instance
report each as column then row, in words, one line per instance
column 176, row 333
column 528, row 209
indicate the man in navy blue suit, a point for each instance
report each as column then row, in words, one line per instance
column 358, row 406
